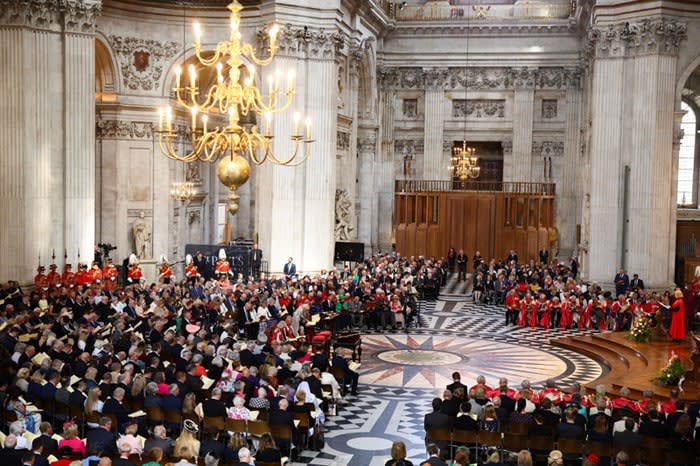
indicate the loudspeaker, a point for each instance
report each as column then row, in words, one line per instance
column 353, row 252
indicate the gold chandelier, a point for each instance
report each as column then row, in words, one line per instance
column 228, row 100
column 465, row 164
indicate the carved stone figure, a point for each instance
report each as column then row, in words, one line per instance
column 142, row 237
column 343, row 206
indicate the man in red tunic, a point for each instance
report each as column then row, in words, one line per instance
column 165, row 274
column 53, row 277
column 191, row 271
column 109, row 276
column 83, row 276
column 68, row 277
column 512, row 307
column 41, row 282
column 134, row 275
column 95, row 274
column 223, row 269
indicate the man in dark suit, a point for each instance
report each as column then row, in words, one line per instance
column 433, row 457
column 622, row 282
column 568, row 428
column 653, row 427
column 290, row 268
column 11, row 456
column 349, row 376
column 450, row 405
column 211, row 445
column 49, row 445
column 672, row 418
column 314, row 381
column 102, row 439
column 39, row 455
column 115, row 407
column 628, row 438
column 457, row 383
column 124, row 451
column 436, row 419
column 281, row 417
column 544, row 256
column 637, row 284
column 160, row 440
column 214, row 407
column 464, row 421
column 320, row 360
column 172, row 402
column 255, row 260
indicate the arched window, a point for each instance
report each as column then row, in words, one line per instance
column 686, row 156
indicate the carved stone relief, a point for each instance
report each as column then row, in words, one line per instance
column 549, row 109
column 77, row 16
column 658, row 36
column 118, row 129
column 342, row 141
column 478, row 108
column 142, row 61
column 410, row 108
column 548, row 148
column 303, row 42
column 343, row 215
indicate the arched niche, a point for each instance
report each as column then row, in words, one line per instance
column 105, row 76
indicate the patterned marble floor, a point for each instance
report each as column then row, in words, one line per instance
column 401, row 373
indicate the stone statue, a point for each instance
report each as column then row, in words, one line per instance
column 192, row 174
column 343, row 206
column 142, row 237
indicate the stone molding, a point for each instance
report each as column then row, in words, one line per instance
column 142, row 61
column 119, row 129
column 479, row 78
column 342, row 141
column 367, row 145
column 646, row 37
column 478, row 108
column 507, row 146
column 548, row 148
column 303, row 42
column 75, row 16
column 408, row 147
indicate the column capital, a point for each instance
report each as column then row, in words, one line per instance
column 77, row 16
column 304, row 42
column 435, row 78
column 522, row 78
column 648, row 36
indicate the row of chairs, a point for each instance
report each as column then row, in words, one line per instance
column 654, row 451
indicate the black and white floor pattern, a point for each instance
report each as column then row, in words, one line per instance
column 402, row 371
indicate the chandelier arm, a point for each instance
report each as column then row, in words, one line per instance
column 169, row 150
column 247, row 50
column 218, row 53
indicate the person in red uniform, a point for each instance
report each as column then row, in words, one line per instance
column 191, row 271
column 677, row 329
column 109, row 276
column 567, row 310
column 223, row 269
column 165, row 273
column 512, row 307
column 83, row 276
column 53, row 277
column 134, row 275
column 68, row 277
column 539, row 312
column 95, row 274
column 41, row 282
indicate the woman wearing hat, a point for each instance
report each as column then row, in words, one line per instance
column 187, row 445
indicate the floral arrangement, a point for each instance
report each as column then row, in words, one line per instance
column 672, row 372
column 641, row 330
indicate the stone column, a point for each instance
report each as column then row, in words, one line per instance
column 567, row 190
column 637, row 132
column 507, row 145
column 369, row 202
column 523, row 113
column 302, row 199
column 79, row 107
column 47, row 124
column 433, row 164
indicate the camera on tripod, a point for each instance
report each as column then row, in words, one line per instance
column 106, row 248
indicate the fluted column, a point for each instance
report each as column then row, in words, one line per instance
column 433, row 163
column 296, row 215
column 637, row 60
column 368, row 225
column 523, row 113
column 319, row 198
column 47, row 124
column 79, row 65
column 567, row 190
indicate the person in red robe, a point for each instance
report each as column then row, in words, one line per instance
column 512, row 307
column 41, row 282
column 68, row 277
column 109, row 276
column 677, row 328
column 53, row 277
column 524, row 308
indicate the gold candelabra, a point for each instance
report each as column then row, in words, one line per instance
column 228, row 100
column 465, row 164
column 183, row 191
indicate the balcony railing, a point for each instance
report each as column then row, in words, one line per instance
column 418, row 186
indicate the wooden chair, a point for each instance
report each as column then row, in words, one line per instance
column 283, row 434
column 540, row 446
column 236, row 425
column 257, row 428
column 339, row 375
column 600, row 449
column 514, row 442
column 441, row 436
column 517, row 428
column 489, row 439
column 572, row 449
column 681, row 458
column 218, row 422
column 154, row 416
column 303, row 427
column 173, row 418
column 135, row 458
column 654, row 451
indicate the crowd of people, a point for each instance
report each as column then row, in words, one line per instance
column 571, row 414
column 114, row 350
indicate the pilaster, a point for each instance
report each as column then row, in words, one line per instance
column 524, row 81
column 433, row 164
